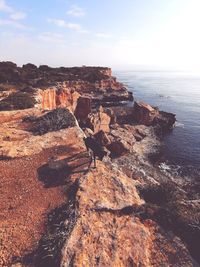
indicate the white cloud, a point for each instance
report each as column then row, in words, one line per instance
column 76, row 11
column 18, row 15
column 51, row 37
column 4, row 7
column 13, row 14
column 103, row 35
column 8, row 22
column 72, row 26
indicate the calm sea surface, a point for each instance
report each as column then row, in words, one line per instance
column 179, row 93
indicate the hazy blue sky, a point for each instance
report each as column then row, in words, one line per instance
column 116, row 33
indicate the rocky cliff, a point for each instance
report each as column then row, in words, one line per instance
column 57, row 209
column 58, row 87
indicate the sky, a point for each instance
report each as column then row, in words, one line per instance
column 120, row 34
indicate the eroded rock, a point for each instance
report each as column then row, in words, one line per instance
column 99, row 121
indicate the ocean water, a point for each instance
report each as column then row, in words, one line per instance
column 179, row 93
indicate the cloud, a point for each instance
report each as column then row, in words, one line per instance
column 8, row 22
column 72, row 26
column 76, row 11
column 4, row 7
column 13, row 14
column 18, row 15
column 103, row 35
column 51, row 37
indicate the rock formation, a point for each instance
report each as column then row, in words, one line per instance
column 98, row 121
column 56, row 209
column 60, row 87
column 147, row 115
column 83, row 109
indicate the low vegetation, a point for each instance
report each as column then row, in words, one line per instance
column 18, row 100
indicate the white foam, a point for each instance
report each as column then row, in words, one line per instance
column 179, row 124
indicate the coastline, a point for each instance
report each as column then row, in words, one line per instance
column 125, row 189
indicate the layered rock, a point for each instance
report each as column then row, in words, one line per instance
column 147, row 115
column 83, row 109
column 53, row 98
column 144, row 113
column 59, row 87
column 104, row 221
column 102, row 227
column 99, row 121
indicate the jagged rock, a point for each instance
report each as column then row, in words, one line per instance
column 97, row 82
column 54, row 97
column 144, row 113
column 147, row 115
column 67, row 98
column 83, row 109
column 117, row 148
column 29, row 67
column 102, row 138
column 88, row 132
column 55, row 120
column 123, row 114
column 111, row 114
column 99, row 121
column 165, row 120
column 26, row 144
column 105, row 229
column 104, row 222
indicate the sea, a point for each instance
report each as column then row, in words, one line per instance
column 179, row 93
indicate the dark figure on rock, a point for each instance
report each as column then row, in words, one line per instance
column 96, row 149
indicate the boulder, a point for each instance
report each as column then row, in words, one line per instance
column 88, row 132
column 29, row 67
column 55, row 120
column 147, row 115
column 165, row 120
column 102, row 138
column 99, row 121
column 56, row 97
column 117, row 148
column 83, row 108
column 144, row 113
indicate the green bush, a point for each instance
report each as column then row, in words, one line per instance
column 19, row 100
column 55, row 120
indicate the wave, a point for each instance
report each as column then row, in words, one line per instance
column 179, row 124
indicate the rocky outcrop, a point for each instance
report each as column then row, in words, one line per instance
column 101, row 226
column 147, row 115
column 144, row 113
column 83, row 109
column 56, row 97
column 59, row 87
column 99, row 121
column 114, row 215
column 60, row 118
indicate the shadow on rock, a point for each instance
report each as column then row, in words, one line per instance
column 57, row 172
column 53, row 177
column 171, row 208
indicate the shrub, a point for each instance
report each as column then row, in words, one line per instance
column 19, row 100
column 55, row 120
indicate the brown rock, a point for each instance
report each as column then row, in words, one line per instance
column 67, row 98
column 144, row 113
column 117, row 148
column 165, row 120
column 99, row 121
column 147, row 115
column 53, row 98
column 83, row 108
column 102, row 138
column 100, row 236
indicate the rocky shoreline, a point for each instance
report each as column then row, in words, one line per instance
column 126, row 212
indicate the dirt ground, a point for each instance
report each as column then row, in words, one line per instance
column 26, row 197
